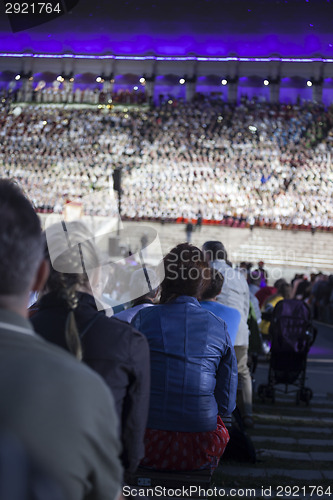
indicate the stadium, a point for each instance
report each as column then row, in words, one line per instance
column 238, row 131
column 153, row 123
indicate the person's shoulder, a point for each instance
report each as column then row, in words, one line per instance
column 217, row 329
column 210, row 316
column 147, row 312
column 56, row 360
column 127, row 331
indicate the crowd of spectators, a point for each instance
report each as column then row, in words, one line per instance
column 316, row 289
column 258, row 163
column 167, row 383
column 66, row 94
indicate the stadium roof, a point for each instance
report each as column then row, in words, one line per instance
column 207, row 28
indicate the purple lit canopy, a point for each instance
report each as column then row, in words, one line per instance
column 209, row 28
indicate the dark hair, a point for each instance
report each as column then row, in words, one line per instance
column 214, row 250
column 279, row 283
column 285, row 290
column 21, row 248
column 186, row 273
column 254, row 277
column 214, row 286
column 80, row 256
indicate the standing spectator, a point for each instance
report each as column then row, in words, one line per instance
column 199, row 221
column 189, row 231
column 254, row 280
column 60, row 410
column 263, row 274
column 235, row 293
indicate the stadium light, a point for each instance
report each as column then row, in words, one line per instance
column 224, row 81
column 182, row 81
column 17, row 77
column 136, row 87
column 309, row 83
column 266, row 82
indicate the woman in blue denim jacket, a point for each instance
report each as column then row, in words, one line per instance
column 193, row 369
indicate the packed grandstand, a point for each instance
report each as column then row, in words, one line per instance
column 255, row 163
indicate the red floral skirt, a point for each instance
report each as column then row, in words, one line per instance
column 175, row 451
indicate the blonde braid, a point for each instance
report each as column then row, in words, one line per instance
column 71, row 332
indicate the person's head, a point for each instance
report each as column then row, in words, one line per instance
column 214, row 250
column 279, row 283
column 214, row 286
column 186, row 273
column 75, row 267
column 246, row 265
column 141, row 280
column 22, row 268
column 254, row 278
column 283, row 288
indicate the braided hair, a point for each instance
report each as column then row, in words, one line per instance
column 64, row 283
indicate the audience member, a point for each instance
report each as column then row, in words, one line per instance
column 235, row 293
column 178, row 158
column 58, row 408
column 209, row 301
column 193, row 370
column 67, row 316
column 283, row 292
column 254, row 281
column 264, row 293
column 263, row 274
column 137, row 287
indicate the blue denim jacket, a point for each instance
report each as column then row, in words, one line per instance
column 193, row 366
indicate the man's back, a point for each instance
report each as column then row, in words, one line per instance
column 230, row 315
column 60, row 410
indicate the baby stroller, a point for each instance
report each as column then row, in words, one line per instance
column 292, row 335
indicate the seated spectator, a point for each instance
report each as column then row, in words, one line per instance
column 137, row 288
column 67, row 316
column 61, row 412
column 193, row 370
column 221, row 165
column 283, row 292
column 209, row 301
column 235, row 293
column 264, row 293
column 21, row 477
